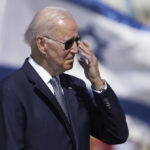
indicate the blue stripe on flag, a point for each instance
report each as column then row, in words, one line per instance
column 109, row 12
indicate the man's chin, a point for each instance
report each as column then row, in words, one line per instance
column 68, row 66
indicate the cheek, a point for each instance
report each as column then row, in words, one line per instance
column 57, row 54
column 54, row 52
column 59, row 58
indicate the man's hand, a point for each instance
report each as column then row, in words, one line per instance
column 91, row 68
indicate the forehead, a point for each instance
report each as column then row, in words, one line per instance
column 65, row 27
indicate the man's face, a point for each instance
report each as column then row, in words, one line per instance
column 57, row 57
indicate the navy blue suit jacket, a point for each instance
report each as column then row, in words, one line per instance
column 31, row 119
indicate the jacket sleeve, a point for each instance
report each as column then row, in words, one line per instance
column 11, row 121
column 108, row 122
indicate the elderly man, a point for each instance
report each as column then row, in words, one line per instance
column 42, row 108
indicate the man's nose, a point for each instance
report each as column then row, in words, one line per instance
column 74, row 48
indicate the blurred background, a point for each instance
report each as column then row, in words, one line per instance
column 119, row 34
column 137, row 9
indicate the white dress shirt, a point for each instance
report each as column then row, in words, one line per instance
column 45, row 76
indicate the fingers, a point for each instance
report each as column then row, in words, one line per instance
column 86, row 44
column 87, row 52
column 91, row 68
column 84, row 47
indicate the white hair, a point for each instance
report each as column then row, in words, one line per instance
column 43, row 21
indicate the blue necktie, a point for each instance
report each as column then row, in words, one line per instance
column 59, row 95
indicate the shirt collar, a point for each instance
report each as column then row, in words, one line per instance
column 45, row 76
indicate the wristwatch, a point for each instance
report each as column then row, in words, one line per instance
column 103, row 87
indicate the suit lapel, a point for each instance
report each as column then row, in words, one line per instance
column 69, row 94
column 40, row 86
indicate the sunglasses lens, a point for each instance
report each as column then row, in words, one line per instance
column 69, row 44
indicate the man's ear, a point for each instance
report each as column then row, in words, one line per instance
column 41, row 44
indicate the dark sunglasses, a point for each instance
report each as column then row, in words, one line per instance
column 68, row 44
